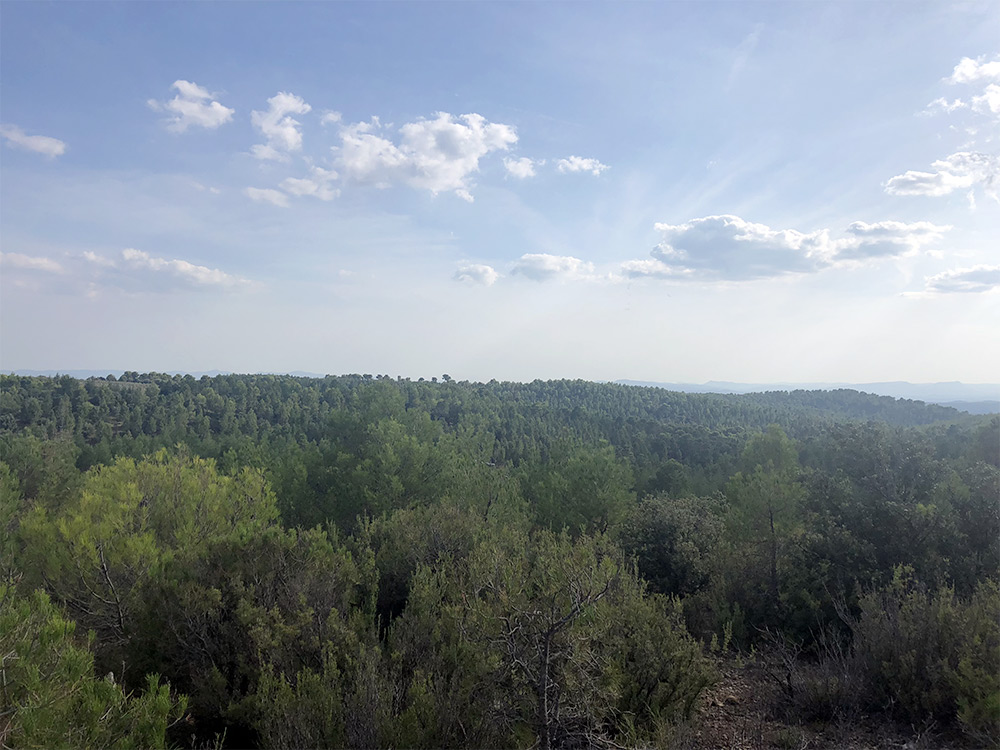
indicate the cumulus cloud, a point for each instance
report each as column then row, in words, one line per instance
column 974, row 72
column 943, row 105
column 971, row 71
column 959, row 171
column 29, row 263
column 728, row 248
column 317, row 184
column 989, row 101
column 439, row 155
column 267, row 195
column 99, row 260
column 969, row 169
column 330, row 117
column 40, row 144
column 136, row 270
column 520, row 168
column 579, row 164
column 477, row 273
column 193, row 105
column 279, row 127
column 965, row 280
column 545, row 267
column 886, row 239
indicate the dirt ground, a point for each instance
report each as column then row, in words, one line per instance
column 745, row 711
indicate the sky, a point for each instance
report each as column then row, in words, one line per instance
column 662, row 191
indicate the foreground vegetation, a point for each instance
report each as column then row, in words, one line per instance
column 359, row 562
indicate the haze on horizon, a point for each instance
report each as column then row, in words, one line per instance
column 665, row 192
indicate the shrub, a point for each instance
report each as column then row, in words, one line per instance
column 916, row 655
column 50, row 696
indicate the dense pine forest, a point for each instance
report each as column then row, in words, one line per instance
column 365, row 561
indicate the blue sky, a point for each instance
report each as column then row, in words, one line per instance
column 657, row 191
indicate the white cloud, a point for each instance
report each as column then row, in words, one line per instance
column 743, row 54
column 181, row 270
column 728, row 248
column 579, row 164
column 29, row 262
column 989, row 101
column 943, row 105
column 279, row 127
column 520, row 168
column 959, row 171
column 267, row 195
column 965, row 280
column 438, row 155
column 317, row 185
column 203, row 188
column 192, row 106
column 477, row 273
column 544, row 267
column 653, row 268
column 40, row 144
column 330, row 118
column 137, row 271
column 970, row 71
column 886, row 239
column 99, row 260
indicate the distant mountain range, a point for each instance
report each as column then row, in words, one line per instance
column 976, row 398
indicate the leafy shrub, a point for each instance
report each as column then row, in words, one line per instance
column 50, row 696
column 919, row 656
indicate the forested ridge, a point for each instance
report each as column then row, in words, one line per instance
column 359, row 561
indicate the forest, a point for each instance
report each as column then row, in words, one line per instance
column 359, row 561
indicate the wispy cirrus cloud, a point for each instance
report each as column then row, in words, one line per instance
column 743, row 53
column 137, row 270
column 40, row 144
column 439, row 154
column 282, row 131
column 267, row 195
column 30, row 263
column 192, row 106
column 131, row 270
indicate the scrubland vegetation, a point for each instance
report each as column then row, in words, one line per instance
column 270, row 561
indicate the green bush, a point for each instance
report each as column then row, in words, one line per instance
column 920, row 656
column 49, row 696
column 911, row 642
